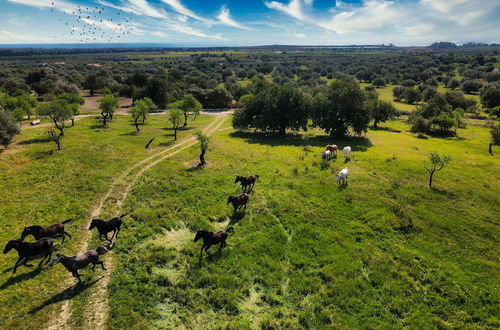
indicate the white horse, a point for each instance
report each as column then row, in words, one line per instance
column 326, row 155
column 347, row 152
column 342, row 176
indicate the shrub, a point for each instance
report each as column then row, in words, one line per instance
column 8, row 127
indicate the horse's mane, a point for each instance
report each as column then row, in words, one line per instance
column 34, row 227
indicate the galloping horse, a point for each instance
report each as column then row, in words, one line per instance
column 211, row 238
column 240, row 200
column 246, row 181
column 27, row 250
column 56, row 230
column 73, row 264
column 104, row 227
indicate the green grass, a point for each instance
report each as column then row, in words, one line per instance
column 385, row 93
column 385, row 252
column 43, row 186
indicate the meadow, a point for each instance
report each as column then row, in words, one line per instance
column 386, row 251
column 43, row 186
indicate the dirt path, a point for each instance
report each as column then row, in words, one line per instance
column 95, row 315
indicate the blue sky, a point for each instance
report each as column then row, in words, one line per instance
column 250, row 22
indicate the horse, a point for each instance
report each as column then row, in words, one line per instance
column 56, row 230
column 27, row 250
column 211, row 238
column 332, row 148
column 104, row 227
column 326, row 155
column 240, row 200
column 347, row 152
column 73, row 264
column 246, row 181
column 342, row 176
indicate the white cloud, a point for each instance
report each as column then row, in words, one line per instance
column 225, row 17
column 374, row 14
column 421, row 30
column 294, row 8
column 299, row 35
column 159, row 34
column 191, row 31
column 462, row 12
column 180, row 8
column 8, row 37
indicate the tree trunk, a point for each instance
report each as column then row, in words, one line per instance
column 185, row 119
column 72, row 121
column 147, row 145
column 283, row 131
column 60, row 128
column 375, row 124
column 491, row 151
column 202, row 158
column 175, row 134
column 104, row 117
column 137, row 126
column 430, row 179
column 91, row 91
column 143, row 119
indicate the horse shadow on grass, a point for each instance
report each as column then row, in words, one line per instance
column 66, row 294
column 20, row 278
column 357, row 143
column 233, row 220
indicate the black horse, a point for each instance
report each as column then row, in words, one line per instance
column 104, row 227
column 27, row 250
column 56, row 230
column 73, row 264
column 211, row 238
column 239, row 201
column 246, row 181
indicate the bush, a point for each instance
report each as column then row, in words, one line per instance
column 420, row 125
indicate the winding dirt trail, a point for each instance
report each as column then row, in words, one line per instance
column 95, row 315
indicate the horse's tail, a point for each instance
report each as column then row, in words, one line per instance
column 66, row 221
column 228, row 229
column 123, row 215
column 256, row 176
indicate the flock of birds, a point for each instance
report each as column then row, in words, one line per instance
column 92, row 24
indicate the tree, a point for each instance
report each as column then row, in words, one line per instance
column 8, row 127
column 157, row 90
column 150, row 106
column 378, row 82
column 398, row 92
column 244, row 99
column 437, row 163
column 108, row 105
column 204, row 141
column 55, row 137
column 471, row 86
column 382, row 111
column 75, row 101
column 490, row 97
column 411, row 95
column 276, row 109
column 495, row 137
column 58, row 111
column 340, row 107
column 138, row 110
column 92, row 83
column 188, row 105
column 175, row 116
column 453, row 83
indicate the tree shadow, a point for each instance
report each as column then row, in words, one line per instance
column 66, row 294
column 357, row 143
column 20, row 278
column 134, row 133
column 34, row 141
column 387, row 129
column 443, row 192
column 421, row 136
column 43, row 154
column 166, row 143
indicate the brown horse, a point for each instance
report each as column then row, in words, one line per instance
column 332, row 148
column 104, row 227
column 239, row 201
column 73, row 264
column 211, row 238
column 246, row 181
column 56, row 230
column 27, row 250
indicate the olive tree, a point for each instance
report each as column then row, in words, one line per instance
column 436, row 163
column 138, row 110
column 175, row 116
column 8, row 127
column 58, row 111
column 382, row 111
column 188, row 105
column 204, row 141
column 108, row 105
column 495, row 137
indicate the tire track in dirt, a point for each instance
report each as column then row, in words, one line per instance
column 96, row 315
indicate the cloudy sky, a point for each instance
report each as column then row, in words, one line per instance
column 253, row 22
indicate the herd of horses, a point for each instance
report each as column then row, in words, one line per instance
column 44, row 244
column 331, row 152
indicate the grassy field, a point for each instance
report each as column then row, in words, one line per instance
column 43, row 186
column 384, row 252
